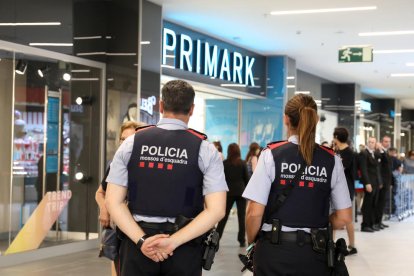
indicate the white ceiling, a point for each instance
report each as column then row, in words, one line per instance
column 312, row 40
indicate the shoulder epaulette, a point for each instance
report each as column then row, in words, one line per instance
column 276, row 144
column 200, row 135
column 143, row 128
column 329, row 150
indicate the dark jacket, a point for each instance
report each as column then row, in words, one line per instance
column 369, row 167
column 386, row 169
column 236, row 177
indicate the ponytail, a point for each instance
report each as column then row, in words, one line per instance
column 303, row 117
column 306, row 132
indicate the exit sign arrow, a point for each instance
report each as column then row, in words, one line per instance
column 355, row 54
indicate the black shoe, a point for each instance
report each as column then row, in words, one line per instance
column 384, row 225
column 352, row 250
column 367, row 229
column 376, row 227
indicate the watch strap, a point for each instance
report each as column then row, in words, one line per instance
column 141, row 241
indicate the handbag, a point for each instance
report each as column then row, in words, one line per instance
column 109, row 244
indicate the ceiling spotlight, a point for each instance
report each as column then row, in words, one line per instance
column 83, row 100
column 66, row 76
column 21, row 67
column 42, row 71
column 81, row 177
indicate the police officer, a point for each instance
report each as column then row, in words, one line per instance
column 283, row 243
column 166, row 171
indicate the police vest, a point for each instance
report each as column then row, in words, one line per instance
column 307, row 205
column 164, row 178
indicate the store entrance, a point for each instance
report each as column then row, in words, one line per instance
column 218, row 117
column 368, row 129
column 51, row 159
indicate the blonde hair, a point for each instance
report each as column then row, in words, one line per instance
column 131, row 124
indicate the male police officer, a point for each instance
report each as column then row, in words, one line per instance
column 166, row 170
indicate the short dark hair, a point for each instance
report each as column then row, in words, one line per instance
column 178, row 97
column 341, row 134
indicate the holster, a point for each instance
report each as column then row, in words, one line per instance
column 210, row 247
column 319, row 240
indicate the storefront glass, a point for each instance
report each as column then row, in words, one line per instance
column 50, row 139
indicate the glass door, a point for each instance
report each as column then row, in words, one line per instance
column 367, row 129
column 52, row 112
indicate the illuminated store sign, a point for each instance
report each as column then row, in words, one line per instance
column 208, row 59
column 365, row 106
column 148, row 104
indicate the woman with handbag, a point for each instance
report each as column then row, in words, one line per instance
column 281, row 215
column 127, row 129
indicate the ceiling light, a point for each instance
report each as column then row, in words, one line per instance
column 398, row 51
column 83, row 100
column 290, row 78
column 80, row 70
column 51, row 44
column 82, row 177
column 323, row 10
column 87, row 37
column 290, row 86
column 84, row 79
column 302, row 92
column 105, row 53
column 386, row 33
column 42, row 71
column 31, row 24
column 402, row 75
column 21, row 67
column 121, row 54
column 145, row 42
column 66, row 76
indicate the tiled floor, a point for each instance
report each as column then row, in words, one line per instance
column 386, row 253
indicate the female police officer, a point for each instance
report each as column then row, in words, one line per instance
column 283, row 245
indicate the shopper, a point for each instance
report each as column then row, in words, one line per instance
column 408, row 163
column 370, row 176
column 283, row 245
column 340, row 138
column 127, row 129
column 252, row 157
column 219, row 148
column 168, row 171
column 235, row 170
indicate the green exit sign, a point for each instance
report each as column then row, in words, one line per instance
column 355, row 54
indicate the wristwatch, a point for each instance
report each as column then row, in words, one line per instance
column 141, row 241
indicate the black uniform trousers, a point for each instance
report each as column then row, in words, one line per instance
column 382, row 196
column 288, row 258
column 241, row 213
column 185, row 261
column 369, row 207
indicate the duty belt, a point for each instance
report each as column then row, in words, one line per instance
column 294, row 236
column 164, row 226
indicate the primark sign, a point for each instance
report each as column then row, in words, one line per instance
column 213, row 59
